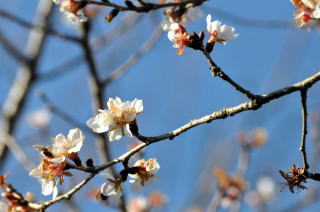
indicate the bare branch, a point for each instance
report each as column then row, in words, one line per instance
column 24, row 80
column 216, row 71
column 39, row 28
column 147, row 6
column 303, row 93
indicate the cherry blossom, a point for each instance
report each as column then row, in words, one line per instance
column 306, row 11
column 112, row 188
column 145, row 173
column 218, row 33
column 179, row 36
column 66, row 147
column 117, row 118
column 72, row 9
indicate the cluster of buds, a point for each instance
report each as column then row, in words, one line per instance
column 231, row 187
column 144, row 204
column 53, row 165
column 294, row 178
column 218, row 33
column 73, row 9
column 306, row 11
column 142, row 172
column 117, row 119
column 254, row 139
column 16, row 201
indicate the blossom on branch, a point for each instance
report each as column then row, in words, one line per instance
column 145, row 174
column 218, row 33
column 67, row 147
column 73, row 9
column 117, row 118
column 47, row 173
column 179, row 36
column 112, row 189
column 306, row 11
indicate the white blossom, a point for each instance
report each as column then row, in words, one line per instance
column 117, row 118
column 145, row 174
column 219, row 33
column 112, row 188
column 62, row 146
column 72, row 9
column 48, row 186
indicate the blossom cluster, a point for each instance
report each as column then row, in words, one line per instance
column 53, row 164
column 142, row 174
column 306, row 11
column 116, row 121
column 218, row 33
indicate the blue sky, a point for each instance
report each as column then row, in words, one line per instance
column 176, row 89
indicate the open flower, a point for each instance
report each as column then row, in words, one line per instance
column 218, row 33
column 179, row 36
column 72, row 9
column 47, row 173
column 67, row 147
column 112, row 188
column 117, row 118
column 145, row 173
column 306, row 10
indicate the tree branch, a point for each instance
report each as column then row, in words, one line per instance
column 303, row 93
column 24, row 79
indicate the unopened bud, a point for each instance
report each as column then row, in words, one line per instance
column 111, row 15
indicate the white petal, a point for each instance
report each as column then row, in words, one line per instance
column 108, row 189
column 59, row 139
column 47, row 187
column 55, row 192
column 35, row 172
column 309, row 3
column 127, row 131
column 138, row 106
column 214, row 26
column 171, row 36
column 115, row 134
column 99, row 124
column 76, row 137
column 208, row 19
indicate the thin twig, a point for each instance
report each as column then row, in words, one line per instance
column 98, row 96
column 147, row 6
column 216, row 71
column 39, row 28
column 115, row 33
column 303, row 93
column 221, row 114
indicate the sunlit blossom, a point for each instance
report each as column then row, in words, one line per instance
column 48, row 173
column 73, row 9
column 220, row 33
column 306, row 11
column 179, row 36
column 66, row 146
column 117, row 118
column 145, row 173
